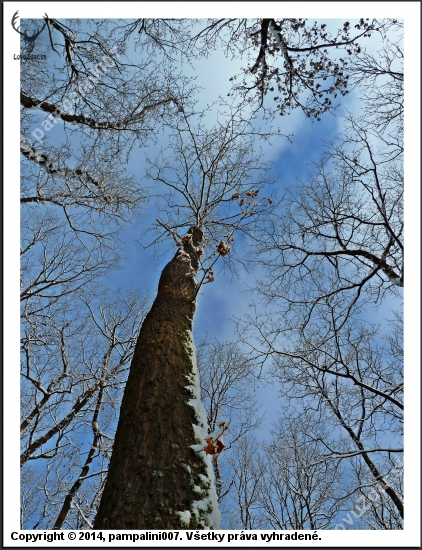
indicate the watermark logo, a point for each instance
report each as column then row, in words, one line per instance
column 26, row 36
column 29, row 39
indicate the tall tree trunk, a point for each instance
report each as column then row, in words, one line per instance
column 157, row 467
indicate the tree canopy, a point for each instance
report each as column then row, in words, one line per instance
column 117, row 146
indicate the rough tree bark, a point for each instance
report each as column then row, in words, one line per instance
column 153, row 469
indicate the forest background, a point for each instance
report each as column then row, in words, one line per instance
column 219, row 292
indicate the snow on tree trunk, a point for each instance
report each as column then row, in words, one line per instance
column 159, row 476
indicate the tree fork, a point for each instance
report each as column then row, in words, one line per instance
column 153, row 469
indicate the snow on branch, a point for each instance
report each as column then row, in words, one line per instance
column 60, row 112
column 277, row 35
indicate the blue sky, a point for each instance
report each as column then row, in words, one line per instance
column 226, row 297
column 229, row 297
